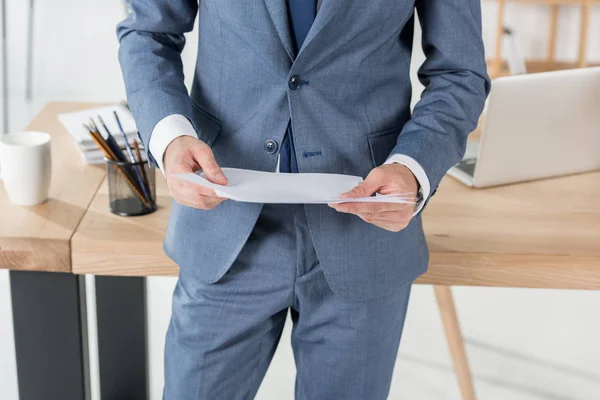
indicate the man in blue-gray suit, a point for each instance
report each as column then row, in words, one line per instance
column 298, row 86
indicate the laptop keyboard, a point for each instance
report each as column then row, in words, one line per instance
column 467, row 166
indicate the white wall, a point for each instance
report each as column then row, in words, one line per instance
column 531, row 22
column 523, row 344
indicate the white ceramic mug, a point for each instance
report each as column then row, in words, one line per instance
column 25, row 166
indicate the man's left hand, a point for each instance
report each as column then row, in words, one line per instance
column 387, row 179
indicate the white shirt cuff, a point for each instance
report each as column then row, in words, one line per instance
column 418, row 172
column 165, row 131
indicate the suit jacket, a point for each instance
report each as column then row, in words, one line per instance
column 349, row 113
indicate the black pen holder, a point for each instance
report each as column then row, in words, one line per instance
column 131, row 187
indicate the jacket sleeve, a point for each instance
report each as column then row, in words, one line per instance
column 151, row 40
column 456, row 86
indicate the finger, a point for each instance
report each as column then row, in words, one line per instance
column 392, row 221
column 185, row 188
column 213, row 202
column 205, row 158
column 183, row 166
column 389, row 227
column 184, row 202
column 396, row 217
column 201, row 203
column 367, row 187
column 384, row 224
column 381, row 223
column 191, row 195
column 366, row 207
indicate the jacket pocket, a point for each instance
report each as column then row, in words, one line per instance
column 381, row 144
column 208, row 127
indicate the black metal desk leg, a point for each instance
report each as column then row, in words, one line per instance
column 50, row 335
column 122, row 348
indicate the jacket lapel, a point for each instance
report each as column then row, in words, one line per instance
column 279, row 15
column 326, row 12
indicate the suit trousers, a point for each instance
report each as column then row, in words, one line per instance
column 222, row 336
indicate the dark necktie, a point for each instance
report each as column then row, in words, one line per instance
column 302, row 14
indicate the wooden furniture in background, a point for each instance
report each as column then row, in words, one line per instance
column 107, row 244
column 47, row 307
column 48, row 301
column 49, row 312
column 523, row 235
column 38, row 238
column 456, row 345
column 541, row 234
column 497, row 66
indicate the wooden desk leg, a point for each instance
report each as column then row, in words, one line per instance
column 50, row 335
column 456, row 345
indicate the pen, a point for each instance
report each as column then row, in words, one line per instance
column 102, row 143
column 111, row 140
column 127, row 146
column 132, row 157
column 138, row 156
column 97, row 138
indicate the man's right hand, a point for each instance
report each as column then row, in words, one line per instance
column 189, row 154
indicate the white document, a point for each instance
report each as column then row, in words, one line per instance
column 283, row 188
column 73, row 122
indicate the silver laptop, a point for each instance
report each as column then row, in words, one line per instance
column 537, row 126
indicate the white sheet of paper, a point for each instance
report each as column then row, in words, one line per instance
column 281, row 188
column 73, row 122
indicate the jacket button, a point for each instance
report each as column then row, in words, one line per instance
column 271, row 146
column 294, row 82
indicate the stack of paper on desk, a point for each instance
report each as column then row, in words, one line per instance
column 96, row 156
column 73, row 123
column 270, row 187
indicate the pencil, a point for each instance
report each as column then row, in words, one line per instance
column 108, row 152
column 101, row 143
column 115, row 153
column 111, row 156
column 121, row 170
column 111, row 140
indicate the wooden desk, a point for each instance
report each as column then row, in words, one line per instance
column 38, row 238
column 540, row 234
column 107, row 244
column 543, row 234
column 48, row 301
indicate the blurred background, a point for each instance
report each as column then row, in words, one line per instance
column 522, row 344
